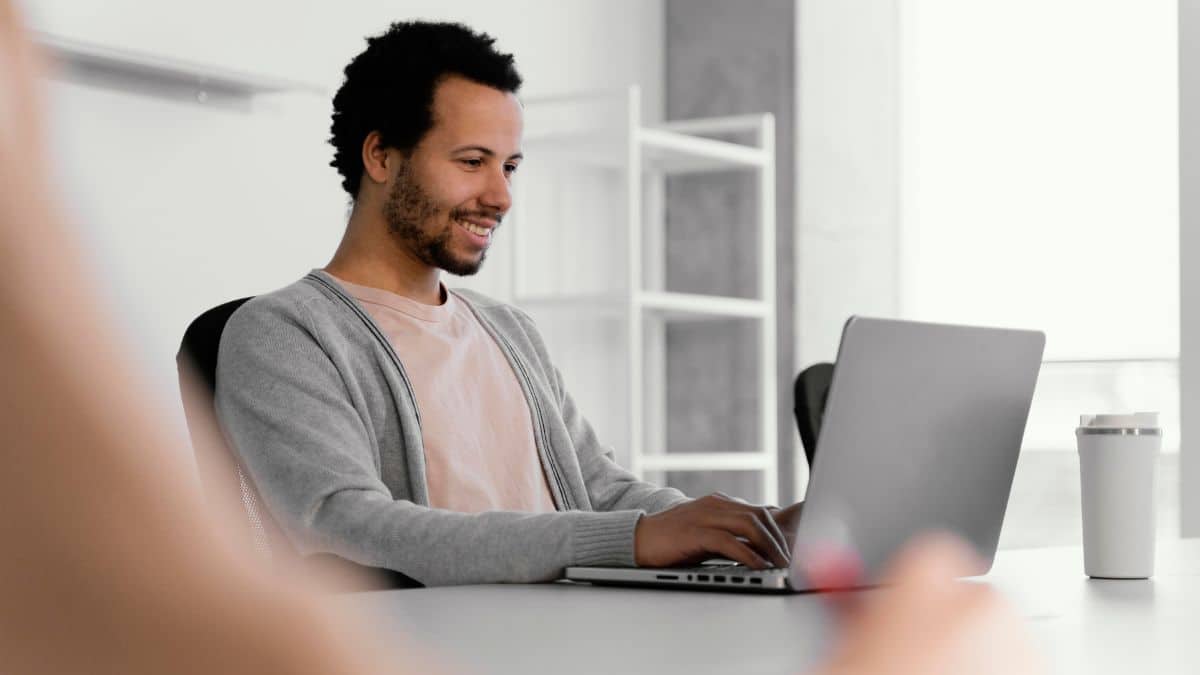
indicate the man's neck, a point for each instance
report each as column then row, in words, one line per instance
column 367, row 256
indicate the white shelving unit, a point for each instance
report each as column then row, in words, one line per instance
column 603, row 132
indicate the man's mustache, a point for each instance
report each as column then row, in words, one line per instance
column 498, row 217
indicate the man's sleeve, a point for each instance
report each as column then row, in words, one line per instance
column 286, row 409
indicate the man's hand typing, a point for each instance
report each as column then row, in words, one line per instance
column 712, row 526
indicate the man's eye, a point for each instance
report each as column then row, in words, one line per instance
column 474, row 163
column 510, row 168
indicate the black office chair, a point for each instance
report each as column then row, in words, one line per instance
column 811, row 392
column 228, row 484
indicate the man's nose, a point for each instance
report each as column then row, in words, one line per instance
column 498, row 192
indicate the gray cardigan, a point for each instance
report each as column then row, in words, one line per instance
column 316, row 402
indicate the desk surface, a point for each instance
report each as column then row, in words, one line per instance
column 1080, row 625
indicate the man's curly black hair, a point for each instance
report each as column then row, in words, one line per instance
column 389, row 87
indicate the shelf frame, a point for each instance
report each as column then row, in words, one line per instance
column 689, row 306
column 650, row 154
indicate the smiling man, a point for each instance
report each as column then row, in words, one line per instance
column 402, row 425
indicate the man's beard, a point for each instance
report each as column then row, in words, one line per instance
column 408, row 206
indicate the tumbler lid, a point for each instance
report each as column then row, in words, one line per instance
column 1138, row 420
column 1145, row 421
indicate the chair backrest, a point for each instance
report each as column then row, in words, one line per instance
column 221, row 474
column 811, row 392
column 227, row 483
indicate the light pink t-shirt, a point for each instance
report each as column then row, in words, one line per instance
column 478, row 433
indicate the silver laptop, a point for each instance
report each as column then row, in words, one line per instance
column 921, row 431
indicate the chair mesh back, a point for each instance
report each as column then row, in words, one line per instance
column 258, row 533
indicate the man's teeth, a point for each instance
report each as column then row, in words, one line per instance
column 474, row 229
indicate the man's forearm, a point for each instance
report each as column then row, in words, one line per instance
column 438, row 547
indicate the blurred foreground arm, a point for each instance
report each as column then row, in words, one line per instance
column 110, row 563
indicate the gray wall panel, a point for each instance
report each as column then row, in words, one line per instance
column 727, row 58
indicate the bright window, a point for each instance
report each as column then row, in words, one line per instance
column 1039, row 188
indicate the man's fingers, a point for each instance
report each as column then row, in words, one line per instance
column 735, row 518
column 723, row 502
column 747, row 526
column 768, row 521
column 728, row 546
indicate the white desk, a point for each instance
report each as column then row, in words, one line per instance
column 1081, row 625
column 1098, row 626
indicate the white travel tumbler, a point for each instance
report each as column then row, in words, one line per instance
column 1117, row 457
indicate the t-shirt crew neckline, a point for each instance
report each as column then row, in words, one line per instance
column 399, row 303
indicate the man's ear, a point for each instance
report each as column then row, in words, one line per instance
column 375, row 159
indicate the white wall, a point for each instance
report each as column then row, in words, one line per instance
column 560, row 46
column 186, row 205
column 847, row 173
column 848, row 176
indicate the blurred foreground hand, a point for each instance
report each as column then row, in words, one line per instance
column 925, row 621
